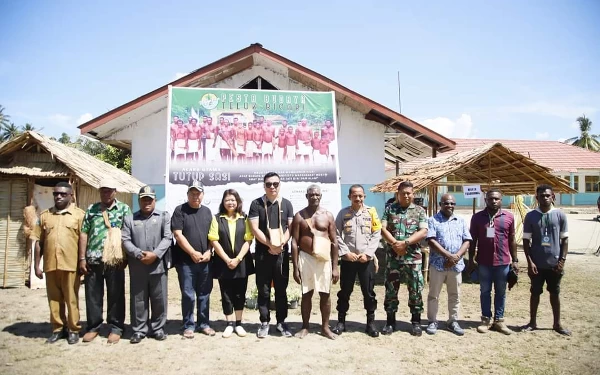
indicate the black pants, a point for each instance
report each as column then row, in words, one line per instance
column 148, row 292
column 276, row 269
column 366, row 277
column 115, row 297
column 233, row 294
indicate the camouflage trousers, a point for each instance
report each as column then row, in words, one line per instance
column 409, row 274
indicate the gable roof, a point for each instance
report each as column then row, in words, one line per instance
column 558, row 156
column 492, row 164
column 72, row 161
column 248, row 57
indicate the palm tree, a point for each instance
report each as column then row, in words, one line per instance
column 585, row 140
column 29, row 127
column 3, row 118
column 9, row 132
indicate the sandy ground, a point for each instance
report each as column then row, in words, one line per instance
column 24, row 327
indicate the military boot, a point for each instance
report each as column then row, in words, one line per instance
column 341, row 325
column 371, row 330
column 416, row 325
column 390, row 325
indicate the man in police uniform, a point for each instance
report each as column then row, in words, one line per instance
column 404, row 225
column 146, row 239
column 358, row 235
column 57, row 236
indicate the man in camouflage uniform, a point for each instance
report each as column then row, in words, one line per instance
column 94, row 232
column 404, row 225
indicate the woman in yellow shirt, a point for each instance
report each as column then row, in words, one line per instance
column 231, row 237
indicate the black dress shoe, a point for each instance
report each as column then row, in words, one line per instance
column 416, row 329
column 73, row 338
column 136, row 338
column 160, row 336
column 56, row 336
column 371, row 330
column 339, row 328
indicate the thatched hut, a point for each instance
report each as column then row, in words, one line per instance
column 30, row 165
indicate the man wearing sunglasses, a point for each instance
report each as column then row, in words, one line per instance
column 448, row 237
column 57, row 236
column 270, row 220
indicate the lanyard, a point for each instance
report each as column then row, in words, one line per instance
column 545, row 223
column 492, row 217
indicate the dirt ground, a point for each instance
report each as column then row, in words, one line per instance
column 24, row 327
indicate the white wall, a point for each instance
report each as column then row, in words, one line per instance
column 361, row 148
column 148, row 138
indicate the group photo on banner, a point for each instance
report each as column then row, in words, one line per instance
column 233, row 137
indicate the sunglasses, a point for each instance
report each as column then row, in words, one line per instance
column 448, row 203
column 272, row 184
column 57, row 194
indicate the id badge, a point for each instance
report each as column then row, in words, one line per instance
column 546, row 241
column 490, row 232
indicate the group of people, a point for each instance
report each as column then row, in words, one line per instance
column 254, row 142
column 324, row 250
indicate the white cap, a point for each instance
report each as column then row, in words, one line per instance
column 108, row 183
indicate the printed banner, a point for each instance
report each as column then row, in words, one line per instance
column 229, row 139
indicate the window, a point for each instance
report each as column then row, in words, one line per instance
column 453, row 188
column 591, row 184
column 575, row 181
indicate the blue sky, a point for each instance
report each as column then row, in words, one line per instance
column 510, row 69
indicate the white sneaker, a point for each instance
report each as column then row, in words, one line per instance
column 240, row 331
column 228, row 331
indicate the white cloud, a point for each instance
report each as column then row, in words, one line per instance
column 180, row 75
column 84, row 118
column 459, row 128
column 59, row 120
column 542, row 135
column 557, row 109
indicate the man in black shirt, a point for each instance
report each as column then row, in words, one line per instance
column 270, row 218
column 190, row 224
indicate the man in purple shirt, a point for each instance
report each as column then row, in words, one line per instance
column 492, row 253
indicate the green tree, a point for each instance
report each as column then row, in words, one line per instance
column 585, row 139
column 4, row 118
column 117, row 157
column 65, row 139
column 9, row 132
column 109, row 154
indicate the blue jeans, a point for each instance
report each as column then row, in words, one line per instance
column 195, row 282
column 496, row 275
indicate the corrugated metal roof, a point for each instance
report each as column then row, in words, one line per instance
column 558, row 156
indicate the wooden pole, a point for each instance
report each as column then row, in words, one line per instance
column 474, row 205
column 7, row 234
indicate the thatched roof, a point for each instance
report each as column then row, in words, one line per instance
column 489, row 165
column 71, row 161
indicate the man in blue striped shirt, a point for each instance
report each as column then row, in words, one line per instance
column 449, row 238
